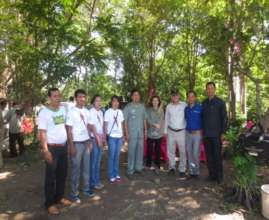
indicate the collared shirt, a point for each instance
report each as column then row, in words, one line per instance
column 175, row 116
column 134, row 115
column 193, row 116
column 214, row 117
column 15, row 121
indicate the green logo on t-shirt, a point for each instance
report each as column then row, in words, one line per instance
column 59, row 119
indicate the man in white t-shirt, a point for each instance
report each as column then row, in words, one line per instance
column 174, row 128
column 79, row 145
column 96, row 120
column 53, row 137
column 114, row 130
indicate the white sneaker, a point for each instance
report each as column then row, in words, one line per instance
column 77, row 201
column 112, row 180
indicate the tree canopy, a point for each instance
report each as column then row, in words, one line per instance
column 112, row 46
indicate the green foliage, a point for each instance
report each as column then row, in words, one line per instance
column 245, row 175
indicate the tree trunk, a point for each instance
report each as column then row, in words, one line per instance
column 258, row 100
column 242, row 93
column 230, row 75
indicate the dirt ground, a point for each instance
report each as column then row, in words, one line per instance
column 148, row 197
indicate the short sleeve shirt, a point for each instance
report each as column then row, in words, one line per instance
column 54, row 124
column 134, row 115
column 96, row 118
column 114, row 119
column 78, row 119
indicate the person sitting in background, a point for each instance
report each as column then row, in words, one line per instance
column 15, row 118
column 155, row 119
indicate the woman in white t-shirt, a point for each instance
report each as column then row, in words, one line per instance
column 114, row 130
column 96, row 121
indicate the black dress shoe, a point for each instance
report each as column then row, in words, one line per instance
column 171, row 172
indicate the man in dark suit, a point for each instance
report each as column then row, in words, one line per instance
column 214, row 123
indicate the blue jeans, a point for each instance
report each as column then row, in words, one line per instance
column 80, row 162
column 95, row 164
column 114, row 146
column 193, row 151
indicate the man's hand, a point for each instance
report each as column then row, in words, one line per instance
column 158, row 126
column 72, row 150
column 222, row 137
column 98, row 140
column 126, row 137
column 47, row 156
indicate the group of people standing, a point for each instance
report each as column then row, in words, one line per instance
column 82, row 134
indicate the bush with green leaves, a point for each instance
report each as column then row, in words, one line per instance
column 245, row 179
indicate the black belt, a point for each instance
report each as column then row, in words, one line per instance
column 81, row 142
column 56, row 145
column 176, row 130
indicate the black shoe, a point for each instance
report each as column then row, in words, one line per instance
column 130, row 176
column 219, row 181
column 140, row 172
column 182, row 176
column 210, row 179
column 171, row 172
column 193, row 176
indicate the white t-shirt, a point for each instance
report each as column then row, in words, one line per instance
column 96, row 118
column 114, row 117
column 54, row 124
column 78, row 119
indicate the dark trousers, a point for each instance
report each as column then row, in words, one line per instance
column 55, row 176
column 13, row 140
column 151, row 144
column 214, row 157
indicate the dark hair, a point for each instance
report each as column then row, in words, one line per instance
column 191, row 92
column 94, row 98
column 115, row 97
column 174, row 92
column 52, row 90
column 71, row 99
column 79, row 91
column 211, row 83
column 155, row 97
column 134, row 91
column 3, row 102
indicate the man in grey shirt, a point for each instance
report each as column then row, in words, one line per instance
column 174, row 128
column 135, row 129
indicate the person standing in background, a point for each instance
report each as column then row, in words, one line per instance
column 15, row 118
column 214, row 124
column 3, row 104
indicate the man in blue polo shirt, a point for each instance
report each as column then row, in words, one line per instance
column 193, row 133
